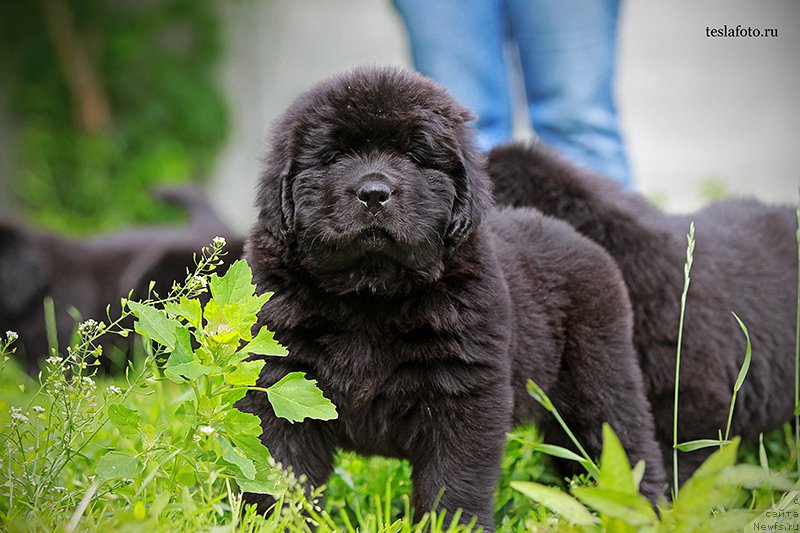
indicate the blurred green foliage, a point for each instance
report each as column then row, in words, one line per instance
column 153, row 63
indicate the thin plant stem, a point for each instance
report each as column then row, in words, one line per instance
column 687, row 268
column 574, row 439
column 540, row 396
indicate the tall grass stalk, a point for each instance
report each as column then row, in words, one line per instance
column 686, row 269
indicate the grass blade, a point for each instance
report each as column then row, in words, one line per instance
column 699, row 444
column 686, row 270
column 747, row 356
column 742, row 374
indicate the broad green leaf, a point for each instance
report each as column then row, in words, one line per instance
column 265, row 344
column 235, row 286
column 182, row 352
column 797, row 410
column 730, row 520
column 186, row 413
column 253, row 448
column 236, row 457
column 233, row 396
column 245, row 373
column 182, row 363
column 747, row 356
column 240, row 318
column 267, row 481
column 633, row 509
column 615, row 470
column 154, row 324
column 557, row 501
column 754, row 477
column 222, row 323
column 699, row 444
column 238, row 423
column 126, row 420
column 296, row 398
column 253, row 305
column 117, row 465
column 186, row 308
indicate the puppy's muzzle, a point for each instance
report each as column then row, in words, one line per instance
column 374, row 195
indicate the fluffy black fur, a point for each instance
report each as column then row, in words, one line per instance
column 422, row 319
column 744, row 261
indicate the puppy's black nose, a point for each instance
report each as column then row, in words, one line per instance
column 374, row 195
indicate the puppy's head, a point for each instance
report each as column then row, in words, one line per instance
column 372, row 180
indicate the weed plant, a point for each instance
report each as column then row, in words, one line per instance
column 164, row 448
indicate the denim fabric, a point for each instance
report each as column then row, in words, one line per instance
column 567, row 54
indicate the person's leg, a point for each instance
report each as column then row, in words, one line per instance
column 460, row 45
column 568, row 55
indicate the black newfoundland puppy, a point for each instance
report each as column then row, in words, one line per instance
column 745, row 261
column 422, row 311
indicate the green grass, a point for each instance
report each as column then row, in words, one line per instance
column 368, row 493
column 153, row 450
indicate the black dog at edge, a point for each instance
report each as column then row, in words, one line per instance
column 421, row 310
column 745, row 261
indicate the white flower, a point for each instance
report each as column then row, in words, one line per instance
column 11, row 336
column 17, row 416
column 113, row 389
column 54, row 359
column 219, row 241
column 88, row 327
column 38, row 408
column 88, row 382
column 206, row 430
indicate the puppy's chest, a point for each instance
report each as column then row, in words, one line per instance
column 359, row 364
column 380, row 380
column 367, row 355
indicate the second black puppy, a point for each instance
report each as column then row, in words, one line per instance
column 745, row 261
column 420, row 310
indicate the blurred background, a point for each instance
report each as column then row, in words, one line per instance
column 100, row 100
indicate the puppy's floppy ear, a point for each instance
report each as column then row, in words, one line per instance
column 473, row 192
column 275, row 202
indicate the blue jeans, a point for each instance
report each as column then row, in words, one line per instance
column 567, row 53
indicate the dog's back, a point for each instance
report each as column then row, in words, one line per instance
column 744, row 261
